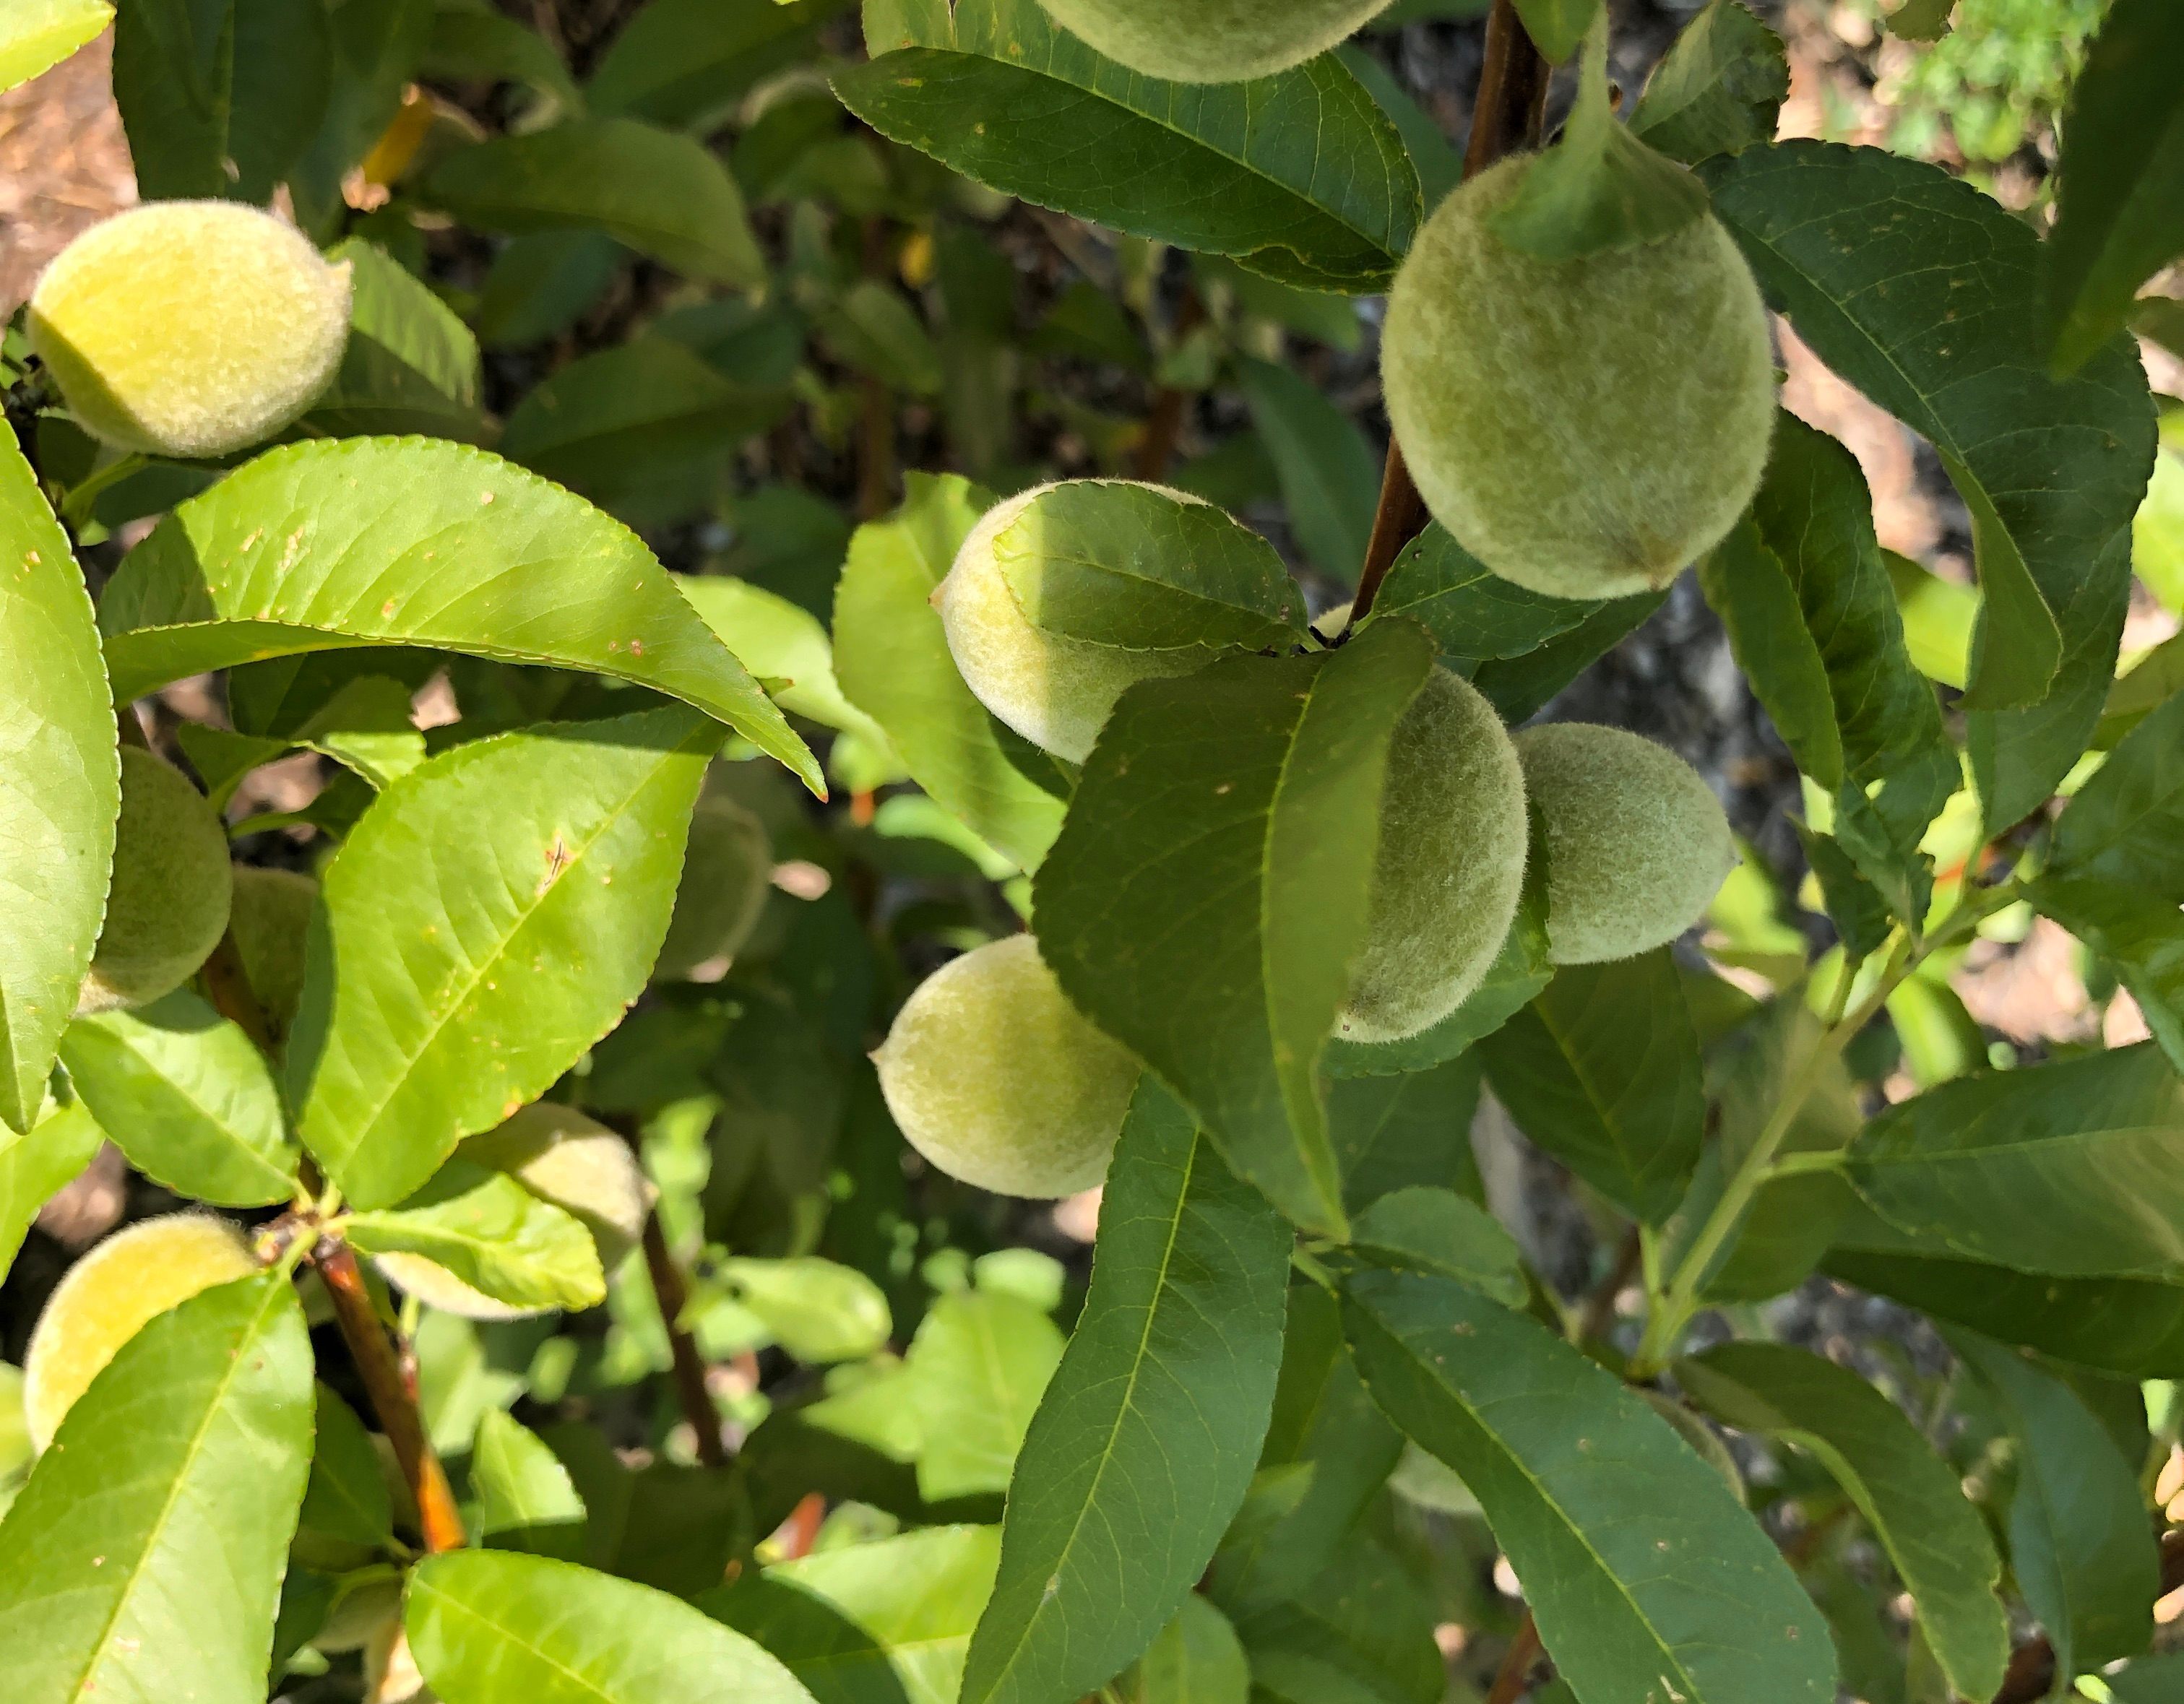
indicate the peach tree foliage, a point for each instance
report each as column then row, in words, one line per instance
column 797, row 454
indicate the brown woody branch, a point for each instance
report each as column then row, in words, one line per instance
column 1517, row 1662
column 688, row 1365
column 1164, row 421
column 1506, row 117
column 394, row 1395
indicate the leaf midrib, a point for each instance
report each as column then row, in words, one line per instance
column 1123, row 1410
column 364, row 1127
column 228, row 1376
column 1583, row 1541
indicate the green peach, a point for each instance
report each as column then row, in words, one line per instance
column 1636, row 843
column 167, row 902
column 998, row 1080
column 190, row 328
column 1584, row 427
column 1212, row 40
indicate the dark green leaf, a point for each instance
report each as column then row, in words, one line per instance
column 1473, row 613
column 2075, row 1168
column 1520, row 687
column 1918, row 290
column 1557, row 26
column 1331, row 477
column 1602, row 1071
column 1436, row 160
column 218, row 99
column 1144, row 1443
column 1118, row 564
column 410, row 366
column 1298, row 176
column 2125, row 828
column 346, row 1498
column 60, row 787
column 643, row 429
column 884, row 1622
column 1209, row 888
column 1601, row 187
column 1395, row 1132
column 2139, row 936
column 1329, row 1450
column 684, row 62
column 377, row 46
column 490, row 1626
column 1361, row 1632
column 2120, row 218
column 892, row 658
column 2080, row 1545
column 409, row 542
column 540, row 284
column 659, row 192
column 484, row 46
column 1427, row 1230
column 150, row 1541
column 187, row 1095
column 1646, row 1577
column 1720, row 90
column 1910, row 1497
column 1805, row 593
column 871, row 329
column 490, row 917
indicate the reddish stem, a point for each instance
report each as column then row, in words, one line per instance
column 689, row 1366
column 1508, row 117
column 1524, row 1650
column 393, row 1396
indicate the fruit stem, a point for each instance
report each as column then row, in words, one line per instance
column 1507, row 116
column 394, row 1395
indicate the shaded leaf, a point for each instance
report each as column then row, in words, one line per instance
column 816, row 1309
column 891, row 656
column 2075, row 1168
column 661, row 194
column 1647, row 1577
column 1209, row 888
column 1427, row 1230
column 219, row 99
column 1299, row 175
column 2119, row 216
column 346, row 1498
column 1601, row 187
column 1918, row 290
column 113, row 1583
column 1910, row 1497
column 60, row 787
column 410, row 365
column 1557, row 26
column 1472, row 613
column 187, row 1095
column 1720, row 89
column 2080, row 1545
column 1602, row 1071
column 882, row 1623
column 1127, row 565
column 487, row 1626
column 526, row 1500
column 681, row 62
column 1398, row 1132
column 1144, row 1443
column 410, row 541
column 489, row 918
column 1331, row 477
column 982, row 1360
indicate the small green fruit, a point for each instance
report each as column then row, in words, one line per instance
column 1054, row 691
column 1584, row 427
column 167, row 902
column 190, row 328
column 1451, row 864
column 1212, row 40
column 1636, row 843
column 568, row 1160
column 725, row 873
column 112, row 1293
column 271, row 916
column 997, row 1079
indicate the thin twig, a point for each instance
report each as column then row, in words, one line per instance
column 1524, row 1650
column 393, row 1400
column 1506, row 117
column 689, row 1366
column 228, row 986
